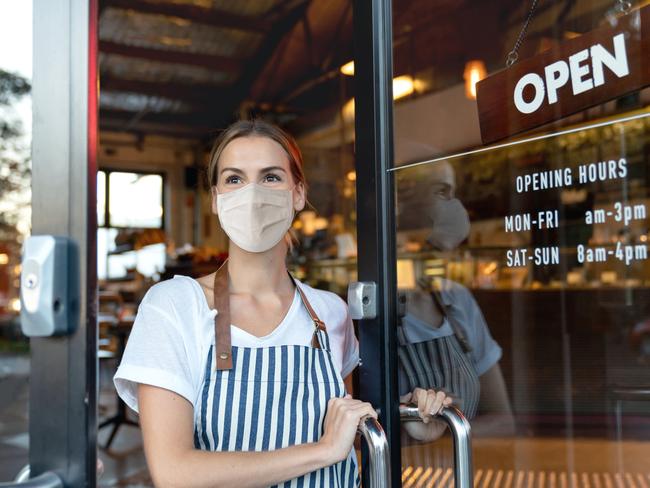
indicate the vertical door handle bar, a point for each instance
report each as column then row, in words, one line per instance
column 461, row 432
column 373, row 434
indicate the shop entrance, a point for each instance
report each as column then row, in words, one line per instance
column 508, row 256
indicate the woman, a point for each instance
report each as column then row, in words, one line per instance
column 262, row 402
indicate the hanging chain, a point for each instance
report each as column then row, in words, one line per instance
column 622, row 7
column 514, row 54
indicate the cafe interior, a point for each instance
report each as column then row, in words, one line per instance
column 575, row 336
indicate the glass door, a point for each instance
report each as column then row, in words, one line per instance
column 520, row 211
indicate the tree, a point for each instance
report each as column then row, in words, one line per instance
column 15, row 170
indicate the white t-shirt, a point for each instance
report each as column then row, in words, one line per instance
column 174, row 329
column 460, row 304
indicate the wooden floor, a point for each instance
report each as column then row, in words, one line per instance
column 533, row 463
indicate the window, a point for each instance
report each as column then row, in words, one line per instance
column 130, row 219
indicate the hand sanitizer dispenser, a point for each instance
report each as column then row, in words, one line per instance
column 49, row 286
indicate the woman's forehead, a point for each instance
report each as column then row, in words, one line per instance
column 253, row 150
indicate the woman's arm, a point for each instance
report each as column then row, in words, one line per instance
column 495, row 416
column 167, row 426
column 494, row 396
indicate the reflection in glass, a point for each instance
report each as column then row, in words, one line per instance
column 444, row 341
column 560, row 276
column 554, row 264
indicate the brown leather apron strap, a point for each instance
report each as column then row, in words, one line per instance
column 222, row 323
column 222, row 319
column 318, row 323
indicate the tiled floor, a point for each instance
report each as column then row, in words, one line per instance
column 14, row 373
column 124, row 463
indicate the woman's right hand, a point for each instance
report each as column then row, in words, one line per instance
column 340, row 427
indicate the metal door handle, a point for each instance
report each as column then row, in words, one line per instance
column 462, row 434
column 45, row 480
column 373, row 434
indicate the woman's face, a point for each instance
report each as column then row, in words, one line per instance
column 258, row 160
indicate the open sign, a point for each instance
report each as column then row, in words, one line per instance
column 584, row 75
column 596, row 67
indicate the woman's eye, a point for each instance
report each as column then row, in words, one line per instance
column 233, row 179
column 272, row 178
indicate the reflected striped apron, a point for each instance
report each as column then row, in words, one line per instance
column 442, row 364
column 273, row 397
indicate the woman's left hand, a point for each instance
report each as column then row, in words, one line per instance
column 430, row 402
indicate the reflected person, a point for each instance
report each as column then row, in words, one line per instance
column 445, row 346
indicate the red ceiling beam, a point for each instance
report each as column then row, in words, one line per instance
column 194, row 13
column 216, row 63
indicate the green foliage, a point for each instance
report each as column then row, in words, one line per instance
column 15, row 172
column 12, row 86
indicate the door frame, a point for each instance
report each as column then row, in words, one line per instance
column 63, row 395
column 63, row 377
column 373, row 75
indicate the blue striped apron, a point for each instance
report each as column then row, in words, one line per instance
column 273, row 397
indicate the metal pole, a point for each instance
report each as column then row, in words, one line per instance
column 379, row 472
column 462, row 435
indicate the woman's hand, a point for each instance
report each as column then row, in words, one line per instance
column 430, row 403
column 340, row 427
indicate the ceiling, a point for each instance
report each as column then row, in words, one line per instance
column 190, row 67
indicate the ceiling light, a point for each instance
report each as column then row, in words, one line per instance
column 348, row 110
column 348, row 68
column 474, row 72
column 402, row 86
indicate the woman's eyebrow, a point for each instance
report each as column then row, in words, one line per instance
column 234, row 170
column 272, row 168
column 263, row 170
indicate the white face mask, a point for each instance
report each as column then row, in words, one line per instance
column 450, row 224
column 255, row 217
